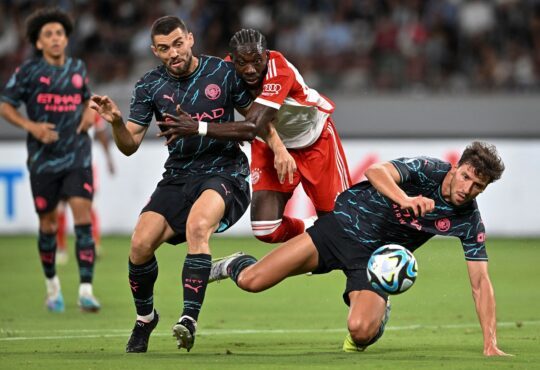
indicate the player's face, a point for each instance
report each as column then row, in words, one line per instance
column 175, row 53
column 466, row 185
column 250, row 64
column 52, row 40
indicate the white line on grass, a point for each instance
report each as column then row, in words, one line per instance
column 115, row 333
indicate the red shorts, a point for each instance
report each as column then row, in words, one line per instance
column 322, row 169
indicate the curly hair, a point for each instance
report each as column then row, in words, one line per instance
column 247, row 36
column 485, row 160
column 40, row 17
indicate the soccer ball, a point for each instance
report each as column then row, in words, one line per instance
column 392, row 269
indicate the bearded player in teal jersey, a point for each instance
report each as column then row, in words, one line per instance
column 205, row 186
column 54, row 89
column 405, row 201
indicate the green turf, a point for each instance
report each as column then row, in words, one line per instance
column 299, row 324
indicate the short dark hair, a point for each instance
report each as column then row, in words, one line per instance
column 41, row 17
column 247, row 36
column 167, row 24
column 485, row 160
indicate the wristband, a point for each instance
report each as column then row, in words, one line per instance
column 203, row 128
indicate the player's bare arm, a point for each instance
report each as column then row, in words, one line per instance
column 183, row 125
column 44, row 132
column 385, row 178
column 87, row 119
column 128, row 137
column 284, row 163
column 484, row 300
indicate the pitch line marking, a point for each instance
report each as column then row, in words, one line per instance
column 115, row 333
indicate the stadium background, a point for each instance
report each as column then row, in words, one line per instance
column 408, row 78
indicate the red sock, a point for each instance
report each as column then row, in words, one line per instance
column 61, row 233
column 95, row 228
column 277, row 231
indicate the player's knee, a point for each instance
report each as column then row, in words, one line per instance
column 361, row 330
column 197, row 229
column 141, row 250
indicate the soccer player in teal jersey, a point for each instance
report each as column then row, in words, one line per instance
column 405, row 201
column 205, row 186
column 54, row 89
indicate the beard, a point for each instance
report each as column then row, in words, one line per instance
column 184, row 69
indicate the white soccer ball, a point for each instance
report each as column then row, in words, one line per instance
column 392, row 269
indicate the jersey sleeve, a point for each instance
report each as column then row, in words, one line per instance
column 86, row 92
column 420, row 170
column 140, row 108
column 16, row 90
column 473, row 239
column 277, row 83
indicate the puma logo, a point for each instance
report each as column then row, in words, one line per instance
column 194, row 288
column 171, row 98
column 227, row 192
column 87, row 256
column 134, row 285
column 45, row 80
column 88, row 187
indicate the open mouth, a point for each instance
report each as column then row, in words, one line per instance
column 177, row 63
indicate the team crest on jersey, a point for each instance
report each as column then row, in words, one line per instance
column 212, row 91
column 77, row 81
column 41, row 203
column 442, row 224
column 271, row 89
column 481, row 237
column 255, row 175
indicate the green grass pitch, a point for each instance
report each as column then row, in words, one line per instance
column 300, row 324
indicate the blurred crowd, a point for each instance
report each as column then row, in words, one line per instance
column 346, row 45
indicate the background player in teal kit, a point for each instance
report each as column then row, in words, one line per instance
column 54, row 89
column 405, row 201
column 205, row 184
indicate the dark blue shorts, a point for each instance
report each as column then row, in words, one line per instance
column 173, row 200
column 337, row 251
column 49, row 188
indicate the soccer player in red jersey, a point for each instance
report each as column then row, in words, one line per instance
column 301, row 142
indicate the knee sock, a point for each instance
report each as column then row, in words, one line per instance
column 86, row 252
column 142, row 279
column 238, row 264
column 195, row 276
column 47, row 253
column 277, row 231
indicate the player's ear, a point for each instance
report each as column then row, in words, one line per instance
column 190, row 39
column 154, row 50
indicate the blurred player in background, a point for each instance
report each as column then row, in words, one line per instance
column 306, row 148
column 205, row 185
column 101, row 135
column 405, row 201
column 54, row 89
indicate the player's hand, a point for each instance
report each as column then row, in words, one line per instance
column 285, row 166
column 44, row 132
column 419, row 205
column 174, row 127
column 106, row 108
